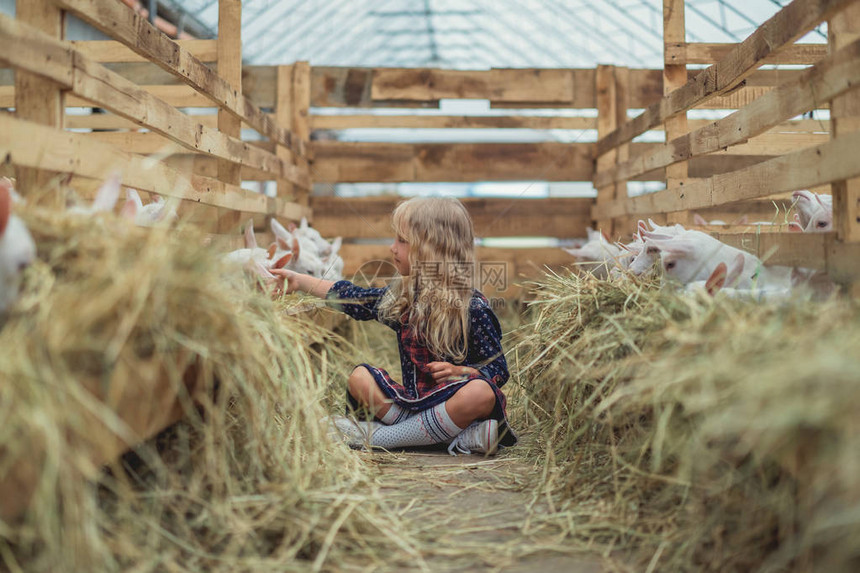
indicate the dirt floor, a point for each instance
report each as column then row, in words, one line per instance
column 474, row 513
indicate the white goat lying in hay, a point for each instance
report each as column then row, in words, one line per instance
column 696, row 261
column 293, row 249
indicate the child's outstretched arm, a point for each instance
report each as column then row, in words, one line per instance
column 287, row 281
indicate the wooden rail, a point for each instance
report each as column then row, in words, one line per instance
column 788, row 25
column 789, row 161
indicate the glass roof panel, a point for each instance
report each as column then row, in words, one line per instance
column 475, row 34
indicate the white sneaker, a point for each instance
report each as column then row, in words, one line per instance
column 356, row 434
column 478, row 438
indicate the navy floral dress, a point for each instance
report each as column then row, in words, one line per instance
column 419, row 390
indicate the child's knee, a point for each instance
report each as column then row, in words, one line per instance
column 482, row 396
column 358, row 381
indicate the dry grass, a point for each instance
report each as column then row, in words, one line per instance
column 663, row 433
column 682, row 433
column 248, row 481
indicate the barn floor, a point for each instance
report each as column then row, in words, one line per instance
column 474, row 513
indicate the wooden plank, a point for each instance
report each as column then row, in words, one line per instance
column 37, row 97
column 111, row 51
column 807, row 168
column 833, row 76
column 395, row 162
column 300, row 126
column 31, row 145
column 806, row 250
column 110, row 121
column 784, row 28
column 106, row 89
column 143, row 143
column 674, row 77
column 370, row 217
column 516, row 266
column 145, row 398
column 611, row 111
column 845, row 33
column 498, row 85
column 337, row 161
column 683, row 53
column 819, row 251
column 284, row 118
column 230, row 71
column 336, row 122
column 133, row 30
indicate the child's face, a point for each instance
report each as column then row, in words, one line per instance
column 400, row 251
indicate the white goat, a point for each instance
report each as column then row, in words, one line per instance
column 17, row 248
column 814, row 212
column 597, row 255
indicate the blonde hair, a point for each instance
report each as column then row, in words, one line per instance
column 434, row 299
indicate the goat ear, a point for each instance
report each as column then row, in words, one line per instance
column 574, row 252
column 291, row 227
column 795, row 227
column 279, row 230
column 283, row 261
column 273, row 248
column 699, row 220
column 717, row 280
column 335, row 245
column 675, row 246
column 107, row 194
column 734, row 272
column 250, row 239
column 296, row 250
column 655, row 236
column 133, row 196
column 5, row 206
column 129, row 209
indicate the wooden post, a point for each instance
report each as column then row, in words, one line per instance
column 284, row 118
column 230, row 68
column 611, row 87
column 300, row 123
column 843, row 29
column 674, row 76
column 37, row 99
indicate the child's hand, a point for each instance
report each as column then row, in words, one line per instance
column 447, row 371
column 285, row 282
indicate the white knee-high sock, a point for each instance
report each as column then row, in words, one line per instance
column 430, row 426
column 395, row 415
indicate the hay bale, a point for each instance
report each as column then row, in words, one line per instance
column 122, row 331
column 693, row 434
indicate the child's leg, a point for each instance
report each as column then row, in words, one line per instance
column 438, row 424
column 363, row 388
column 472, row 402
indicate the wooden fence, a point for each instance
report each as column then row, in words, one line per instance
column 811, row 161
column 745, row 163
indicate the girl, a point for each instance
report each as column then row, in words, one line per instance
column 451, row 358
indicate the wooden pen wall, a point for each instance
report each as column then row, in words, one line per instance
column 794, row 154
column 144, row 125
column 745, row 164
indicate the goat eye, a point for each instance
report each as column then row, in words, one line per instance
column 670, row 265
column 822, row 223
